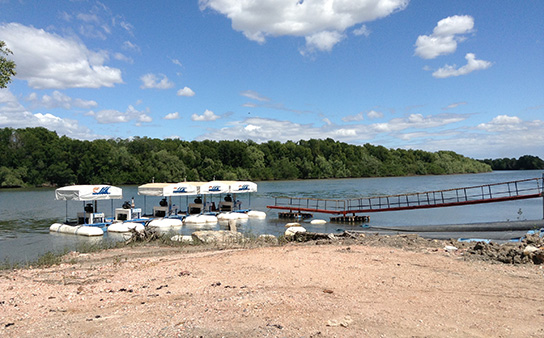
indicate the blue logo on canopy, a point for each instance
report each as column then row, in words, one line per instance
column 101, row 191
column 180, row 190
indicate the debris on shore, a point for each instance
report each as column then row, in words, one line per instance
column 529, row 250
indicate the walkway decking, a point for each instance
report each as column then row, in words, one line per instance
column 488, row 193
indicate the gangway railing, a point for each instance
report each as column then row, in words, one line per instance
column 488, row 193
column 310, row 204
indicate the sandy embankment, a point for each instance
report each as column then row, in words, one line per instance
column 339, row 290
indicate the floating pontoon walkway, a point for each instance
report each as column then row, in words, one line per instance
column 489, row 193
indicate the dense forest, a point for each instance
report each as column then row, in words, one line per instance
column 39, row 157
column 526, row 162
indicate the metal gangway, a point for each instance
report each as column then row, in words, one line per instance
column 488, row 193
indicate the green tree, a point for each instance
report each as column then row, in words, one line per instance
column 7, row 67
column 11, row 177
column 528, row 162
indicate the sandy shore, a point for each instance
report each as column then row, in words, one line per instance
column 336, row 290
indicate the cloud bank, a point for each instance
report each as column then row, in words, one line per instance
column 49, row 61
column 15, row 115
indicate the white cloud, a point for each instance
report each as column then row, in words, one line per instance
column 47, row 60
column 454, row 105
column 418, row 121
column 343, row 132
column 92, row 27
column 254, row 95
column 503, row 136
column 503, row 123
column 14, row 115
column 322, row 41
column 60, row 100
column 87, row 17
column 108, row 116
column 207, row 116
column 353, row 118
column 361, row 116
column 186, row 91
column 263, row 129
column 127, row 26
column 321, row 22
column 445, row 37
column 150, row 81
column 64, row 16
column 177, row 62
column 374, row 114
column 127, row 45
column 123, row 57
column 472, row 65
column 98, row 21
column 172, row 116
column 363, row 30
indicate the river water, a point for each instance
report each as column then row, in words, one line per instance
column 26, row 214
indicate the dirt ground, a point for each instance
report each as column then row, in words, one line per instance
column 343, row 289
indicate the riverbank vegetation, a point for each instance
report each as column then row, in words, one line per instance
column 38, row 157
column 526, row 162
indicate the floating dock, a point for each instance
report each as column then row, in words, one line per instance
column 294, row 215
column 350, row 219
column 488, row 193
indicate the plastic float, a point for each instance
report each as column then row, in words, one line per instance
column 291, row 231
column 256, row 214
column 165, row 223
column 200, row 219
column 318, row 221
column 89, row 222
column 126, row 227
column 226, row 216
column 82, row 230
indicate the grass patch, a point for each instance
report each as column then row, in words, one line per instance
column 54, row 258
column 47, row 259
column 246, row 241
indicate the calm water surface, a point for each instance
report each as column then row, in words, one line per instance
column 25, row 215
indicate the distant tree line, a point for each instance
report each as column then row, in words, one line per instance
column 39, row 157
column 526, row 162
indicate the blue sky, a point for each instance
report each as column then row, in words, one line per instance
column 466, row 76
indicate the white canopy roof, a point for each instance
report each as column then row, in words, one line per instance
column 194, row 188
column 238, row 187
column 88, row 193
column 214, row 187
column 168, row 189
column 223, row 187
